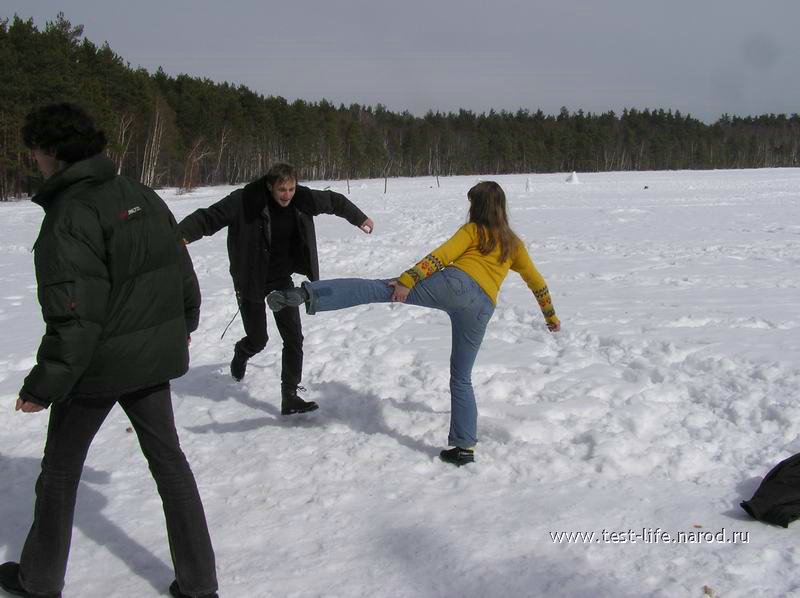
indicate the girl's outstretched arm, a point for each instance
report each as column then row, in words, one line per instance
column 523, row 264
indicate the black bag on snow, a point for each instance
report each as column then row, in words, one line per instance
column 777, row 499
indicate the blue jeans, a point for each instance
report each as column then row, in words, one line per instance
column 450, row 290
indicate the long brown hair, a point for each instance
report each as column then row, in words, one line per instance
column 487, row 209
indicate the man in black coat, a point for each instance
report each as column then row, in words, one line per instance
column 271, row 235
column 119, row 299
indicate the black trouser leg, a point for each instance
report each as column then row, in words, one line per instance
column 150, row 412
column 73, row 425
column 289, row 326
column 291, row 330
column 254, row 320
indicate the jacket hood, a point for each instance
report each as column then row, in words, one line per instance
column 95, row 170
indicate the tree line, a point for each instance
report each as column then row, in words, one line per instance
column 188, row 131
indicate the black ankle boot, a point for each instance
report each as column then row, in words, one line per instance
column 175, row 591
column 458, row 456
column 238, row 365
column 9, row 581
column 291, row 403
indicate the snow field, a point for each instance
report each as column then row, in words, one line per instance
column 672, row 388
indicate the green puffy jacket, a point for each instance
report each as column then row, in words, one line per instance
column 118, row 293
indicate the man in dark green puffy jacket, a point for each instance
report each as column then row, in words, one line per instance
column 119, row 299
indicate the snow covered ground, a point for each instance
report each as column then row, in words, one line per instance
column 673, row 386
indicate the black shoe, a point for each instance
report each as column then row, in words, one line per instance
column 293, row 297
column 291, row 403
column 458, row 456
column 175, row 591
column 238, row 366
column 9, row 581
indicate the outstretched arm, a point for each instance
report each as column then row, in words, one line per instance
column 523, row 264
column 207, row 221
column 330, row 202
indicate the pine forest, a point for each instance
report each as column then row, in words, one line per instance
column 184, row 131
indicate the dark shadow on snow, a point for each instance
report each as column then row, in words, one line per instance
column 361, row 412
column 437, row 565
column 215, row 383
column 16, row 511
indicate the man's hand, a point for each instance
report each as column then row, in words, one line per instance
column 367, row 225
column 27, row 406
column 400, row 291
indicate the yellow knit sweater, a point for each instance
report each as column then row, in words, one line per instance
column 461, row 251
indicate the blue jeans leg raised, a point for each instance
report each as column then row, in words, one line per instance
column 450, row 290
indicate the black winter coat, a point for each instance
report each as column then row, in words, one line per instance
column 246, row 214
column 116, row 286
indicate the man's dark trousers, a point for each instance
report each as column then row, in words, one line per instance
column 73, row 424
column 254, row 319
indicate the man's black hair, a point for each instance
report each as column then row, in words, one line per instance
column 65, row 130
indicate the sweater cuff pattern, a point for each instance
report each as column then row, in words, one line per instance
column 545, row 304
column 427, row 266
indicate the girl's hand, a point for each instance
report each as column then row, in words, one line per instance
column 400, row 291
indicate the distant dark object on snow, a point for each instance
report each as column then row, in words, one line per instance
column 646, row 187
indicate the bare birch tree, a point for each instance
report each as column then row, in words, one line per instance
column 122, row 140
column 152, row 146
column 224, row 142
column 200, row 151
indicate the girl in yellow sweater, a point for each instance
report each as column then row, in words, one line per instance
column 462, row 278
